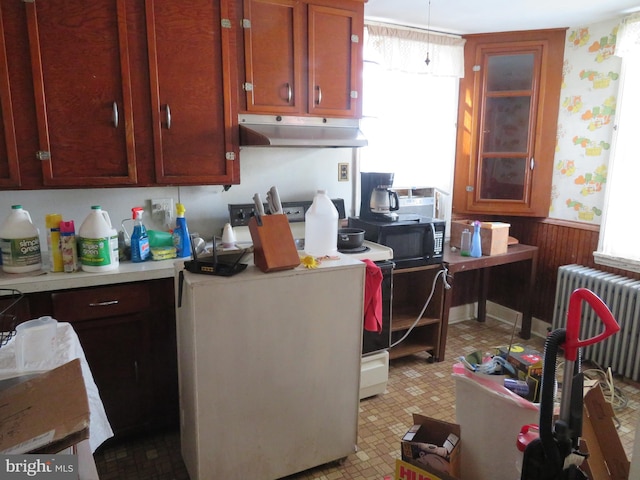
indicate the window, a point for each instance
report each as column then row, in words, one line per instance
column 409, row 107
column 620, row 228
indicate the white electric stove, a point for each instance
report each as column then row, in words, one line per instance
column 374, row 373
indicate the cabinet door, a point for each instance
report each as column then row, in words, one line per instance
column 81, row 77
column 507, row 119
column 334, row 61
column 273, row 47
column 9, row 173
column 191, row 74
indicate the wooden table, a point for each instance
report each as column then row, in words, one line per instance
column 456, row 263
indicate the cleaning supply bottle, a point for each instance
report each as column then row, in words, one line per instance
column 69, row 246
column 139, row 239
column 476, row 241
column 98, row 243
column 321, row 227
column 20, row 242
column 181, row 238
column 52, row 222
column 465, row 243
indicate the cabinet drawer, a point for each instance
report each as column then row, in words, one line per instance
column 101, row 302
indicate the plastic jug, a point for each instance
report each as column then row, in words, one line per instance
column 36, row 344
column 321, row 227
column 98, row 242
column 20, row 242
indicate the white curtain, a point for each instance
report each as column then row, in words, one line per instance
column 405, row 50
column 620, row 229
column 410, row 108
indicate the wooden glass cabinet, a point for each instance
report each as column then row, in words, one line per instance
column 509, row 101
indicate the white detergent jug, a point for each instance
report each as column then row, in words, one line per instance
column 321, row 227
column 20, row 242
column 98, row 242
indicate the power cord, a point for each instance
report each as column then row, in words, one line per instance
column 444, row 272
column 612, row 394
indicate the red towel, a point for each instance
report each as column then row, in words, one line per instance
column 373, row 298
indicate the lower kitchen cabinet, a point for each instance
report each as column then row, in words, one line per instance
column 411, row 288
column 127, row 332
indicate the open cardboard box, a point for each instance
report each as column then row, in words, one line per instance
column 607, row 459
column 45, row 413
column 418, row 461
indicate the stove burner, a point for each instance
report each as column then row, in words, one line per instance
column 360, row 249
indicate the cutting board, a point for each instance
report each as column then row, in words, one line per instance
column 274, row 248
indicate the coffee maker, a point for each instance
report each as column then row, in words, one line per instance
column 377, row 200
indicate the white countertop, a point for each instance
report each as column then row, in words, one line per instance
column 44, row 280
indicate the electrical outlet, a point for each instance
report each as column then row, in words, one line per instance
column 162, row 210
column 343, row 172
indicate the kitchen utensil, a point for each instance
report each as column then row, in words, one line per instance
column 273, row 200
column 349, row 238
column 259, row 208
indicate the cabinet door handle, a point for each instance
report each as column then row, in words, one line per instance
column 114, row 115
column 532, row 164
column 319, row 100
column 135, row 369
column 289, row 92
column 168, row 116
column 104, row 304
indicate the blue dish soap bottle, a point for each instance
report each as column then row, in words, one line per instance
column 140, row 250
column 181, row 238
column 476, row 241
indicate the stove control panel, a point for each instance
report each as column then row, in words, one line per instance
column 240, row 213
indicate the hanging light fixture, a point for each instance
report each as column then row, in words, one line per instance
column 428, row 60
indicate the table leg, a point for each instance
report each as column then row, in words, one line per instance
column 482, row 298
column 525, row 332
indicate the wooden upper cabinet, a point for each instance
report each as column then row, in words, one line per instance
column 303, row 57
column 9, row 171
column 507, row 120
column 82, row 87
column 274, row 46
column 192, row 75
column 334, row 61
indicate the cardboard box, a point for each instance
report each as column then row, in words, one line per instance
column 45, row 413
column 494, row 235
column 430, row 450
column 607, row 458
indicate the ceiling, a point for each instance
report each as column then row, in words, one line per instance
column 474, row 16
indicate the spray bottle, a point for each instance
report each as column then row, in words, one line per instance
column 181, row 238
column 139, row 239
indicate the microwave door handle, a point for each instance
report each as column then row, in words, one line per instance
column 430, row 245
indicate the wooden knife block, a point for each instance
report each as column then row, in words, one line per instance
column 273, row 245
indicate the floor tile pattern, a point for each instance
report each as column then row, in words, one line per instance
column 415, row 386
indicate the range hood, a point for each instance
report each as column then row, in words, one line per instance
column 281, row 131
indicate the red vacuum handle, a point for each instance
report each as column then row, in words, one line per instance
column 573, row 342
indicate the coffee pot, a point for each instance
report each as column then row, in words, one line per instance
column 383, row 200
column 377, row 200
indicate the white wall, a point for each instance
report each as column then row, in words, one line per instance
column 297, row 172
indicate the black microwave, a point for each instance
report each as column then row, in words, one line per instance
column 415, row 240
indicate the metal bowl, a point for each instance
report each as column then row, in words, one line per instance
column 349, row 238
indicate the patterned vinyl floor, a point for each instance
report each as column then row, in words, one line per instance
column 415, row 386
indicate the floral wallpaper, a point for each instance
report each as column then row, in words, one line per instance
column 585, row 122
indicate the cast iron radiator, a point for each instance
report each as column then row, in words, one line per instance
column 622, row 296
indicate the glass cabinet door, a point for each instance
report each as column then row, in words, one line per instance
column 507, row 124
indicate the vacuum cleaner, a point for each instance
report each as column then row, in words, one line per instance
column 555, row 454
